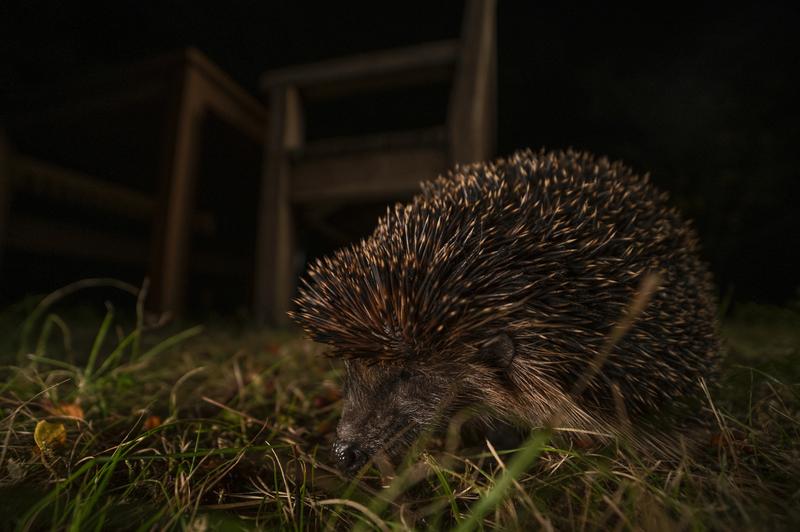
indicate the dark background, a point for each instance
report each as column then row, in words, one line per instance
column 703, row 97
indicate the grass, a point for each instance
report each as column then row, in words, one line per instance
column 226, row 427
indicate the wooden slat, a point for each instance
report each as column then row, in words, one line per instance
column 48, row 180
column 240, row 103
column 107, row 91
column 365, row 176
column 76, row 188
column 431, row 137
column 218, row 92
column 275, row 278
column 80, row 108
column 62, row 239
column 472, row 109
column 422, row 63
column 50, row 238
column 178, row 182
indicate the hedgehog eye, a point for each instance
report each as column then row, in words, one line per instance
column 499, row 351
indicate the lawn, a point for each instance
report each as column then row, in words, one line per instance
column 111, row 421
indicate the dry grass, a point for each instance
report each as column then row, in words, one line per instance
column 229, row 428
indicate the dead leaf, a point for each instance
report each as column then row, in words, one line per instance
column 48, row 435
column 69, row 410
column 272, row 348
column 152, row 422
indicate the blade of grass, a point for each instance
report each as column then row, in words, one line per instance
column 53, row 362
column 52, row 298
column 448, row 491
column 516, row 467
column 140, row 299
column 171, row 342
column 377, row 521
column 116, row 354
column 53, row 319
column 98, row 343
column 99, row 485
column 28, row 520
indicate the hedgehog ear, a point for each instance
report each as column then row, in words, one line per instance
column 498, row 351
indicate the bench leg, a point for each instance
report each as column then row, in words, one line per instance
column 172, row 225
column 275, row 269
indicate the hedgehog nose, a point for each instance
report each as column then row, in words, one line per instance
column 350, row 456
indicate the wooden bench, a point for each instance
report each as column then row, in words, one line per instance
column 383, row 167
column 192, row 88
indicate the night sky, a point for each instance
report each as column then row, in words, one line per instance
column 705, row 98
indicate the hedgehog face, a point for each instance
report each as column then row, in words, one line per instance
column 386, row 407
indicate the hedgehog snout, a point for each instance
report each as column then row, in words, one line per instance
column 349, row 455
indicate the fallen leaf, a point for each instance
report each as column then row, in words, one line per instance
column 152, row 422
column 49, row 435
column 70, row 410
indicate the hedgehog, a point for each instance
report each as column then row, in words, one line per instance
column 505, row 289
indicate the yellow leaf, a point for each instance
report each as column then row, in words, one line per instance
column 70, row 410
column 49, row 435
